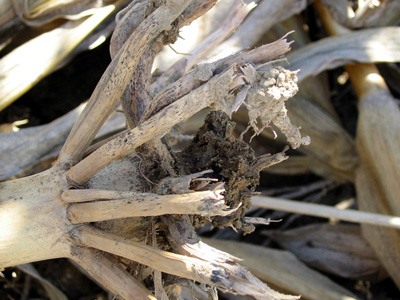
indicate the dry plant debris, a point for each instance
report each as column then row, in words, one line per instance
column 95, row 188
column 125, row 204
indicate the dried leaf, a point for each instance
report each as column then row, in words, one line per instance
column 366, row 45
column 21, row 150
column 335, row 249
column 40, row 12
column 284, row 271
column 368, row 13
column 29, row 63
column 378, row 144
column 332, row 148
column 263, row 17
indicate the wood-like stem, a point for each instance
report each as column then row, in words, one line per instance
column 107, row 271
column 158, row 125
column 115, row 80
column 267, row 160
column 324, row 211
column 168, row 88
column 164, row 261
column 185, row 239
column 141, row 205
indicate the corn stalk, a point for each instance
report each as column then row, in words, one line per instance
column 94, row 205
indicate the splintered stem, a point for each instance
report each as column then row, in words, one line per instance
column 232, row 21
column 144, row 204
column 185, row 239
column 116, row 78
column 164, row 261
column 107, row 270
column 267, row 160
column 157, row 125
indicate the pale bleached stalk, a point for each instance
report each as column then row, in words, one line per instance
column 95, row 194
column 233, row 20
column 267, row 14
column 108, row 271
column 157, row 125
column 170, row 84
column 202, row 203
column 178, row 69
column 377, row 143
column 324, row 211
column 371, row 45
column 164, row 261
column 184, row 238
column 116, row 78
column 234, row 279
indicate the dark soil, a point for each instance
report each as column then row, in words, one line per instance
column 216, row 148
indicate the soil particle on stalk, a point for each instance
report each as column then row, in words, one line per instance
column 215, row 147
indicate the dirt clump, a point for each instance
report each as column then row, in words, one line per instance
column 216, row 148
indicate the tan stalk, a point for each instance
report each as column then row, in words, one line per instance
column 180, row 265
column 26, row 232
column 109, row 272
column 325, row 211
column 239, row 11
column 258, row 55
column 157, row 125
column 40, row 219
column 378, row 144
column 115, row 79
column 164, row 261
column 202, row 203
column 277, row 268
column 260, row 20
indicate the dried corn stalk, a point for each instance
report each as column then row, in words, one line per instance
column 117, row 189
